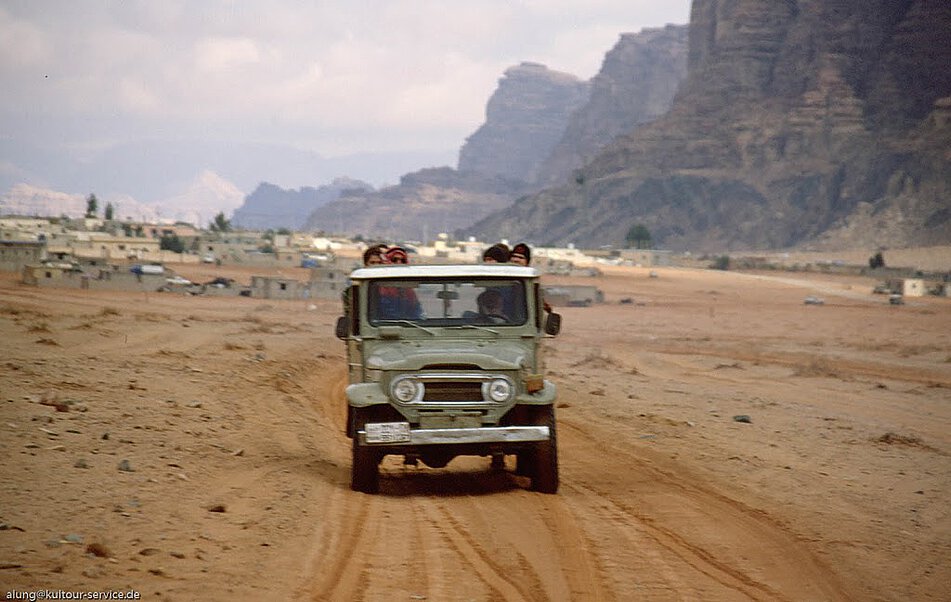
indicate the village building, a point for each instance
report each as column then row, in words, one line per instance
column 276, row 287
column 328, row 282
column 15, row 254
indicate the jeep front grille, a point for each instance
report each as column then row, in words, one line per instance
column 453, row 391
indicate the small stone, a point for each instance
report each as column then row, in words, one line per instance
column 125, row 466
column 193, row 404
column 73, row 538
column 217, row 508
column 99, row 550
column 81, row 463
column 742, row 418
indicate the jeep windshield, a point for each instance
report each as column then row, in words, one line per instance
column 445, row 302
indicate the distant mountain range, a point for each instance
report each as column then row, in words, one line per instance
column 165, row 174
column 197, row 203
column 270, row 206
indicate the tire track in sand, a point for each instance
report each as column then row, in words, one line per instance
column 703, row 540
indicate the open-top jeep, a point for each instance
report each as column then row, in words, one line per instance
column 445, row 361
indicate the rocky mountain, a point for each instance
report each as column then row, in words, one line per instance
column 820, row 122
column 525, row 118
column 270, row 206
column 636, row 84
column 423, row 204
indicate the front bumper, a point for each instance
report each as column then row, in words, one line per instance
column 453, row 436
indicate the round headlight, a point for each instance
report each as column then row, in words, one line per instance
column 500, row 390
column 405, row 390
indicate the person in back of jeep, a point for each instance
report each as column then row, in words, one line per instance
column 522, row 255
column 398, row 302
column 497, row 253
column 374, row 255
column 396, row 255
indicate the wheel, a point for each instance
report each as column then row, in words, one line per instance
column 365, row 468
column 365, row 461
column 545, row 457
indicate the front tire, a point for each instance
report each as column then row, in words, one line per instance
column 545, row 457
column 365, row 468
column 365, row 460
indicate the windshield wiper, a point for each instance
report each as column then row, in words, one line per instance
column 471, row 326
column 409, row 323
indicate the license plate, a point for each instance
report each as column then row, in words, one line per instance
column 387, row 432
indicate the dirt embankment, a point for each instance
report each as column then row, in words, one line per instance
column 719, row 440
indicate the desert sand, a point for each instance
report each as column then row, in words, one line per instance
column 719, row 440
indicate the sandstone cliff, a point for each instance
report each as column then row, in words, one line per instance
column 525, row 118
column 636, row 84
column 809, row 121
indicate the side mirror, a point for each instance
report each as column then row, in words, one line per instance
column 553, row 324
column 343, row 327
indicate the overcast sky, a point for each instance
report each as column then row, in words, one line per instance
column 334, row 77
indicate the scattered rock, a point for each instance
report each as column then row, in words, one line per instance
column 126, row 466
column 93, row 572
column 73, row 538
column 193, row 404
column 177, row 555
column 217, row 508
column 742, row 418
column 149, row 551
column 99, row 550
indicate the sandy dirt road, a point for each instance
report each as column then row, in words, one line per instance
column 192, row 448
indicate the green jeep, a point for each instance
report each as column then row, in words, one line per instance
column 445, row 361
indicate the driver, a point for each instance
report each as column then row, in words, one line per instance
column 491, row 307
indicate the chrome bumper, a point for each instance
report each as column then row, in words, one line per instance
column 493, row 434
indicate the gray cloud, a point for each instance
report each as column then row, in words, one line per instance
column 417, row 72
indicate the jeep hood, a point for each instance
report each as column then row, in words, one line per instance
column 487, row 355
